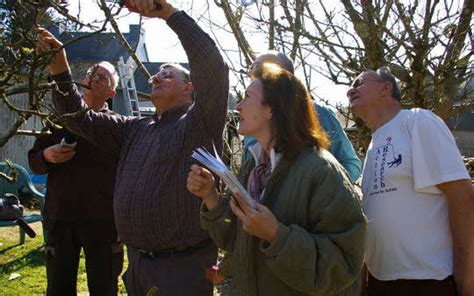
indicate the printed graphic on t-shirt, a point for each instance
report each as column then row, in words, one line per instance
column 385, row 158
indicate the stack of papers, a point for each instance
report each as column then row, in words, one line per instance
column 215, row 164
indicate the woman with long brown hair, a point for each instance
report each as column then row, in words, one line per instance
column 306, row 234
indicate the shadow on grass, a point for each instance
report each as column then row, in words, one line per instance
column 16, row 245
column 33, row 258
column 3, row 251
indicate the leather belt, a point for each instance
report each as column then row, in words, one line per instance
column 174, row 251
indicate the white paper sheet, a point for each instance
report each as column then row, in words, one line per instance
column 215, row 164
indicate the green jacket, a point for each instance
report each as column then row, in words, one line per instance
column 320, row 242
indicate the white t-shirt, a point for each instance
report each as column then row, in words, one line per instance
column 408, row 234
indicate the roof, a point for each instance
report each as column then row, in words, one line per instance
column 104, row 46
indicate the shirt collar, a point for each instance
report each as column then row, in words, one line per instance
column 172, row 113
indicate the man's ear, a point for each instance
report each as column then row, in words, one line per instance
column 189, row 86
column 387, row 87
column 270, row 113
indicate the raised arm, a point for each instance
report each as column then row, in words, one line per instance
column 209, row 73
column 60, row 72
column 104, row 130
column 46, row 44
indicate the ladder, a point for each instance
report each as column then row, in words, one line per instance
column 129, row 91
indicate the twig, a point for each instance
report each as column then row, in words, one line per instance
column 122, row 39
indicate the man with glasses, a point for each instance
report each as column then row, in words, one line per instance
column 340, row 146
column 156, row 216
column 79, row 199
column 416, row 194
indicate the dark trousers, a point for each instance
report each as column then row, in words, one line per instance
column 172, row 274
column 103, row 254
column 444, row 287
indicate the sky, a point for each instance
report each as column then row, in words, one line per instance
column 163, row 45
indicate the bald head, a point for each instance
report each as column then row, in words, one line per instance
column 273, row 57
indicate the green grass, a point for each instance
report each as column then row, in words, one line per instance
column 28, row 261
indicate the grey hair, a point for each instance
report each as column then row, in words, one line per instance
column 182, row 70
column 114, row 78
column 384, row 74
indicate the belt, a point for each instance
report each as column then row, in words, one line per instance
column 174, row 251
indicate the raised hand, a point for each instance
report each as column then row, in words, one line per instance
column 148, row 8
column 259, row 222
column 46, row 43
column 58, row 154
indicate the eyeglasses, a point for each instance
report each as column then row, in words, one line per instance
column 92, row 72
column 359, row 81
column 164, row 74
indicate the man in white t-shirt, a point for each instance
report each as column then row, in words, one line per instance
column 420, row 234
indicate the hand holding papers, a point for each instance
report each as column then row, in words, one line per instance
column 215, row 164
